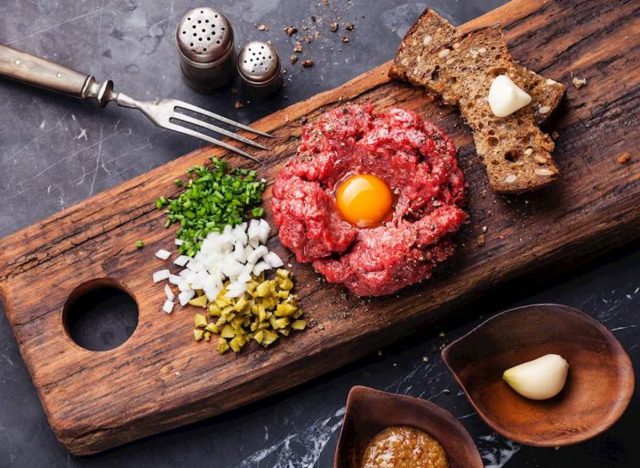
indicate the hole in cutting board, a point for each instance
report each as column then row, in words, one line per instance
column 100, row 315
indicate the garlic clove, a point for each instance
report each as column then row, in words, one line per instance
column 540, row 379
column 505, row 97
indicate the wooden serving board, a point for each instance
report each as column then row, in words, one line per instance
column 160, row 378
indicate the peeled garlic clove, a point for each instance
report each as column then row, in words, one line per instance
column 539, row 379
column 505, row 97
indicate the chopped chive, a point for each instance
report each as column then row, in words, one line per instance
column 212, row 199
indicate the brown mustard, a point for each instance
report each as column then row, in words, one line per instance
column 404, row 447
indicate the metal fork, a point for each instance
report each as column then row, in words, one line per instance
column 165, row 113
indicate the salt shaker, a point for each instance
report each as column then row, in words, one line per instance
column 259, row 69
column 204, row 39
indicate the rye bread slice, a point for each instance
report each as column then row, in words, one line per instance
column 419, row 63
column 516, row 153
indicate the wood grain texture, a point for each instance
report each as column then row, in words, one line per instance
column 598, row 389
column 160, row 378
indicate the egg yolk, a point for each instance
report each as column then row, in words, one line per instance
column 364, row 200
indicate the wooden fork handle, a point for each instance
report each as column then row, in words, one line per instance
column 36, row 71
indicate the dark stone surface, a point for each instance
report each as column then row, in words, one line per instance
column 55, row 152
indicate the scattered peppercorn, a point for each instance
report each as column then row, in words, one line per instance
column 350, row 26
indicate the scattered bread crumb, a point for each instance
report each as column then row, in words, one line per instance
column 290, row 30
column 579, row 82
column 481, row 240
column 307, row 63
column 624, row 158
column 238, row 105
column 263, row 27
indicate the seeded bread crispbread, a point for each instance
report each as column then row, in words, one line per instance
column 418, row 62
column 460, row 68
column 516, row 153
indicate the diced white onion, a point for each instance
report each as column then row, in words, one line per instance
column 185, row 297
column 163, row 254
column 273, row 260
column 263, row 231
column 181, row 261
column 169, row 293
column 161, row 275
column 260, row 267
column 238, row 252
column 167, row 306
column 252, row 230
column 257, row 254
column 179, row 241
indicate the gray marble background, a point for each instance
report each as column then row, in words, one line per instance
column 55, row 152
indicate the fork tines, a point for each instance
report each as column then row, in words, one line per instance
column 179, row 116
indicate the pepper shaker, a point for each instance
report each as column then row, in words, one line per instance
column 204, row 39
column 259, row 69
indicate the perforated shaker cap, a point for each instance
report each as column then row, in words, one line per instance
column 204, row 35
column 258, row 63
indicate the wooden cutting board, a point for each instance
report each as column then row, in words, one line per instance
column 160, row 378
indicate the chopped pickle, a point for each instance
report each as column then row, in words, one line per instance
column 269, row 337
column 223, row 346
column 213, row 328
column 200, row 301
column 237, row 343
column 299, row 325
column 200, row 320
column 263, row 289
column 264, row 313
column 227, row 332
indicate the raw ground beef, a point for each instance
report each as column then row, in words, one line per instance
column 418, row 162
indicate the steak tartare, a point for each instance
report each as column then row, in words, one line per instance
column 418, row 163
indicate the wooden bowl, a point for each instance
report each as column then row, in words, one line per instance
column 598, row 389
column 370, row 411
